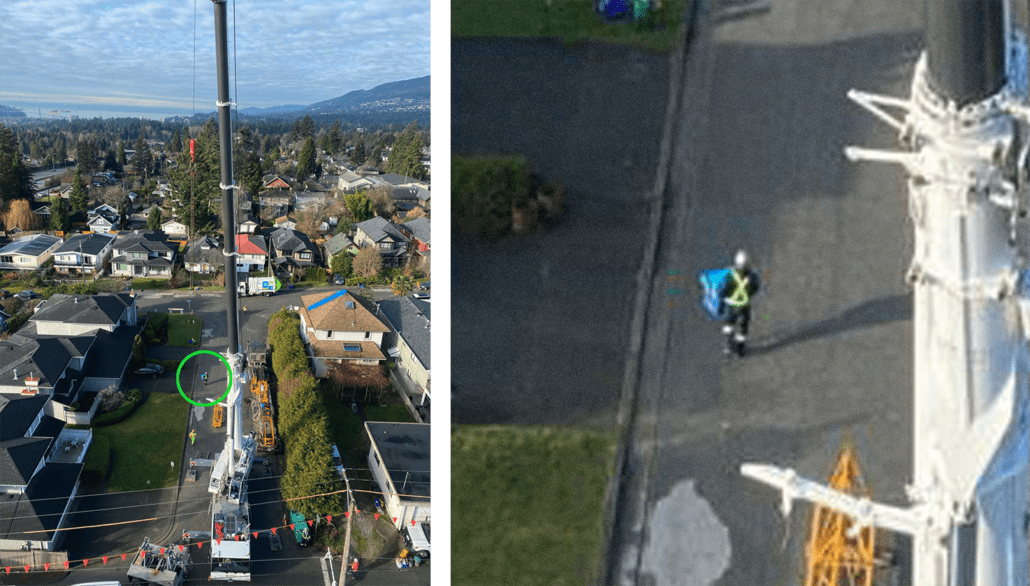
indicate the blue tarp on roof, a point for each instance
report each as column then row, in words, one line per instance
column 327, row 299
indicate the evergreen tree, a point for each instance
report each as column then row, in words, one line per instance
column 306, row 161
column 335, row 136
column 85, row 156
column 304, row 128
column 121, row 156
column 79, row 199
column 205, row 180
column 154, row 218
column 110, row 162
column 58, row 214
column 15, row 178
column 176, row 143
column 360, row 206
column 143, row 159
column 406, row 156
column 358, row 155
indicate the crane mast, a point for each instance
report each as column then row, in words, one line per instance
column 965, row 129
column 230, row 509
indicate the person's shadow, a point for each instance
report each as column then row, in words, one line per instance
column 889, row 308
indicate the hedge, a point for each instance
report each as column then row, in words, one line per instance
column 98, row 460
column 118, row 415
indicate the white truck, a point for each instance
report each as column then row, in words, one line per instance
column 259, row 286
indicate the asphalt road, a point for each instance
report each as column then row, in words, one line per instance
column 540, row 321
column 190, row 509
column 757, row 162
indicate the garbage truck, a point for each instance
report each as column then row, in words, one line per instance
column 259, row 286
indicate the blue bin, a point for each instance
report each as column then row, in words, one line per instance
column 711, row 281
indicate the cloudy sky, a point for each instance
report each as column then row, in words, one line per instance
column 133, row 55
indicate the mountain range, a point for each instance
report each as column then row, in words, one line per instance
column 409, row 97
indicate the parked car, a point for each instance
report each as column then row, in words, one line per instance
column 424, row 286
column 424, row 296
column 154, row 370
column 5, row 294
column 416, row 539
column 26, row 294
column 338, row 279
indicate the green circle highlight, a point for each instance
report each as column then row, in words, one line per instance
column 228, row 369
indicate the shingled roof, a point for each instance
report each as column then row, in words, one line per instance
column 340, row 311
column 84, row 309
column 39, row 508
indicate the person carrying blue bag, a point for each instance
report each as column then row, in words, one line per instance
column 727, row 296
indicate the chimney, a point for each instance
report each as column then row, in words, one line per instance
column 15, row 374
column 76, row 299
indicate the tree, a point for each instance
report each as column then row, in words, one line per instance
column 402, row 284
column 121, row 156
column 310, row 223
column 202, row 177
column 406, row 156
column 357, row 156
column 306, row 162
column 414, row 215
column 334, row 138
column 85, row 156
column 304, row 128
column 79, row 199
column 368, row 263
column 340, row 263
column 143, row 160
column 360, row 206
column 15, row 178
column 154, row 218
column 20, row 215
column 382, row 201
column 176, row 145
column 343, row 226
column 110, row 162
column 58, row 214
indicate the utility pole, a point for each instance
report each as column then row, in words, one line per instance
column 346, row 540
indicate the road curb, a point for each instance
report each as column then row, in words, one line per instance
column 645, row 277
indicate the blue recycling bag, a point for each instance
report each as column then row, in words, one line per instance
column 712, row 281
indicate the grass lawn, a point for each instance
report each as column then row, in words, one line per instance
column 145, row 284
column 182, row 327
column 143, row 445
column 527, row 494
column 398, row 413
column 571, row 20
column 347, row 431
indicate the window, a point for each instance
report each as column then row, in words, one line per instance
column 330, row 334
column 352, row 347
column 386, row 245
column 7, row 259
column 305, row 255
column 122, row 267
column 349, row 305
column 368, row 335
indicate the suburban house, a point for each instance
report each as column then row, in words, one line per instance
column 398, row 180
column 143, row 253
column 384, row 235
column 28, row 252
column 248, row 225
column 204, row 256
column 73, row 315
column 408, row 344
column 337, row 243
column 274, row 181
column 418, row 232
column 350, row 182
column 83, row 254
column 285, row 222
column 308, row 201
column 41, row 209
column 40, row 462
column 251, row 252
column 293, row 250
column 399, row 460
column 337, row 326
column 424, row 199
column 274, row 203
column 175, row 229
column 102, row 218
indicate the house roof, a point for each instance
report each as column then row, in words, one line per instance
column 44, row 357
column 144, row 241
column 250, row 219
column 397, row 179
column 170, row 222
column 19, row 458
column 33, row 245
column 91, row 243
column 337, row 243
column 379, row 229
column 286, row 240
column 204, row 249
column 404, row 450
column 39, row 508
column 338, row 349
column 419, row 228
column 340, row 311
column 251, row 244
column 410, row 318
column 117, row 345
column 17, row 413
column 101, row 310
